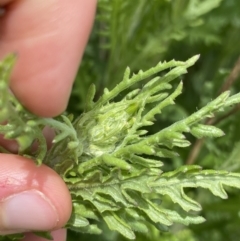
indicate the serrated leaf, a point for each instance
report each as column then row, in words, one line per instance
column 117, row 162
column 161, row 152
column 110, row 164
column 232, row 100
column 84, row 210
column 45, row 235
column 146, row 162
column 77, row 221
column 180, row 143
column 117, row 224
column 90, row 229
column 201, row 131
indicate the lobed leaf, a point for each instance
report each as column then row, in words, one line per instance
column 109, row 160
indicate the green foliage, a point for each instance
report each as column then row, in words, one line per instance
column 117, row 168
column 17, row 117
column 138, row 35
column 109, row 161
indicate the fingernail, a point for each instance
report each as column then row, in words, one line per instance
column 29, row 210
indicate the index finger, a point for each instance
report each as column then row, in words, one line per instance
column 49, row 38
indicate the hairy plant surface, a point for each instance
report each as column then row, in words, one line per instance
column 111, row 164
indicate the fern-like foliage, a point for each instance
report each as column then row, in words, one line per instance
column 111, row 164
column 137, row 35
column 126, row 205
column 17, row 123
column 121, row 40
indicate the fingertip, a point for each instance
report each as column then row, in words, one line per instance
column 23, row 182
column 49, row 48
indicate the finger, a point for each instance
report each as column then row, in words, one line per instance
column 49, row 38
column 58, row 235
column 31, row 197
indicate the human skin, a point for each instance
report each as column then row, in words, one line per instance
column 49, row 37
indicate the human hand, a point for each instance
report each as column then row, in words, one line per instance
column 49, row 37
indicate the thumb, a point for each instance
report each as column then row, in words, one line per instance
column 31, row 197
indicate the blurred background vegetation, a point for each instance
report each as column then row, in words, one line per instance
column 140, row 33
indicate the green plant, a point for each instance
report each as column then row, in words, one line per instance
column 138, row 35
column 111, row 165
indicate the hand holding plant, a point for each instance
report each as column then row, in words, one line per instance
column 49, row 52
column 112, row 157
